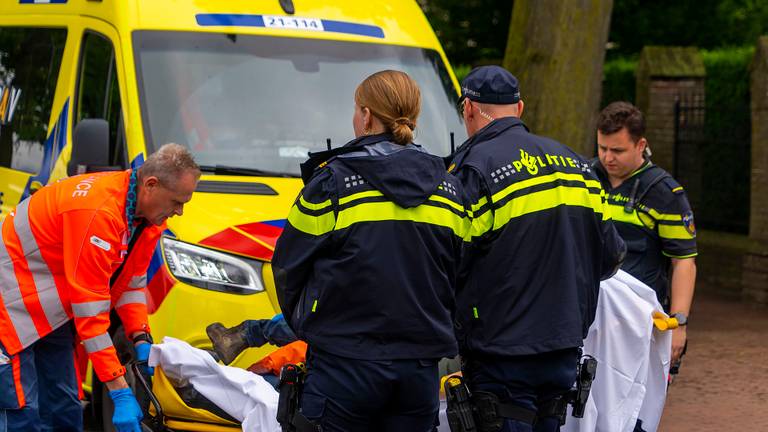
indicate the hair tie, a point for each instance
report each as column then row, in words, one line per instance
column 405, row 121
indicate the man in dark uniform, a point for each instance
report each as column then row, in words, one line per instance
column 651, row 213
column 541, row 241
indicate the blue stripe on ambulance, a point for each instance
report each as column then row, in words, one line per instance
column 157, row 260
column 52, row 148
column 42, row 1
column 242, row 20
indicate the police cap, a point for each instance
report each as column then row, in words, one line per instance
column 491, row 85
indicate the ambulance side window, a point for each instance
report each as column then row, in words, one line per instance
column 98, row 94
column 29, row 68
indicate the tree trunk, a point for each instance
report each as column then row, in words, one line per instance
column 556, row 49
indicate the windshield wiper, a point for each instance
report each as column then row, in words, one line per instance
column 242, row 171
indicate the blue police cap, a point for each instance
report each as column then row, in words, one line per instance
column 491, row 85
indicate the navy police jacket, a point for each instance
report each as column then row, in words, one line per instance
column 653, row 216
column 541, row 241
column 366, row 266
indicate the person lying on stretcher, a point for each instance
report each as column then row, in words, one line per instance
column 228, row 343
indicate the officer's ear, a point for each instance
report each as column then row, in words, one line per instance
column 367, row 118
column 520, row 107
column 642, row 143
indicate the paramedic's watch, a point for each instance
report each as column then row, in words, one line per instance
column 681, row 318
column 146, row 337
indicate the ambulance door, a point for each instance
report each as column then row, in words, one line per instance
column 30, row 60
column 98, row 93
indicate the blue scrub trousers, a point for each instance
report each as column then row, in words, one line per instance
column 49, row 383
column 526, row 381
column 342, row 394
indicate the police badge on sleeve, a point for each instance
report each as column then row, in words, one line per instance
column 690, row 226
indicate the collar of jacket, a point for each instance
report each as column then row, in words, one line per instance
column 602, row 174
column 490, row 131
column 320, row 159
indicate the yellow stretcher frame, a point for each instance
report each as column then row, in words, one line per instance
column 167, row 411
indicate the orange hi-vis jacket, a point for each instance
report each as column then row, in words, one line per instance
column 58, row 251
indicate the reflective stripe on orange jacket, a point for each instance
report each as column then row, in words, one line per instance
column 58, row 251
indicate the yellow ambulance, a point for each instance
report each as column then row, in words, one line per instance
column 249, row 86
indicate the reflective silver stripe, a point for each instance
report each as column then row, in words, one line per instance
column 90, row 309
column 138, row 281
column 14, row 305
column 97, row 343
column 41, row 274
column 130, row 297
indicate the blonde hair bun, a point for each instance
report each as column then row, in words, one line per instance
column 394, row 98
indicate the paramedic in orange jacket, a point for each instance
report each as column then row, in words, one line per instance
column 70, row 254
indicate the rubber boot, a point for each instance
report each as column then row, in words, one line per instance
column 227, row 342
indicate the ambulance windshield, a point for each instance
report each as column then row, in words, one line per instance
column 264, row 102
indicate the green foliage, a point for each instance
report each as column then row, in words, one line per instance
column 461, row 71
column 726, row 151
column 470, row 30
column 728, row 87
column 707, row 24
column 619, row 80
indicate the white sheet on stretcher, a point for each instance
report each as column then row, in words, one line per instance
column 633, row 360
column 633, row 364
column 245, row 396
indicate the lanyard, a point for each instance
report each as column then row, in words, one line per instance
column 130, row 204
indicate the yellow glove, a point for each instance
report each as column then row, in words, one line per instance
column 663, row 322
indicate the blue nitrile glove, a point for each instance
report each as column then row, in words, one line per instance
column 127, row 414
column 142, row 355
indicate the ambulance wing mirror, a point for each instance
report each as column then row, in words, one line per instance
column 90, row 147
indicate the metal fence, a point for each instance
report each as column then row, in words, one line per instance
column 712, row 161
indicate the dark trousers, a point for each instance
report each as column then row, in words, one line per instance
column 46, row 375
column 526, row 381
column 274, row 331
column 343, row 394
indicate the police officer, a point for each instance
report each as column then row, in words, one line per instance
column 651, row 212
column 366, row 266
column 541, row 240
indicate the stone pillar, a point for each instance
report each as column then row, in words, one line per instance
column 755, row 279
column 664, row 75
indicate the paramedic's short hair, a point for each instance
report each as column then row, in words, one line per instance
column 169, row 163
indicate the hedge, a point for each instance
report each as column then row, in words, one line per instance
column 727, row 151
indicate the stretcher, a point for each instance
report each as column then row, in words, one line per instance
column 169, row 409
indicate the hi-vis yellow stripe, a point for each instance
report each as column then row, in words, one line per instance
column 538, row 201
column 481, row 224
column 674, row 232
column 313, row 206
column 366, row 194
column 498, row 196
column 619, row 215
column 314, row 225
column 374, row 193
column 379, row 211
column 384, row 211
column 548, row 199
column 481, row 202
column 446, row 201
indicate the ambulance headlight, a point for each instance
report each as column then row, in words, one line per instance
column 213, row 270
